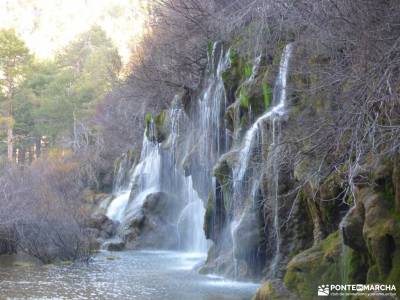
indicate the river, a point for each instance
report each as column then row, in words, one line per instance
column 142, row 275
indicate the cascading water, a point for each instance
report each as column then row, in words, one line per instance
column 190, row 221
column 145, row 179
column 251, row 140
column 211, row 135
column 211, row 108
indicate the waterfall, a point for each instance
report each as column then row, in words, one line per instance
column 161, row 165
column 145, row 179
column 191, row 219
column 211, row 108
column 251, row 140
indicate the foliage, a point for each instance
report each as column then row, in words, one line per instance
column 14, row 60
column 55, row 98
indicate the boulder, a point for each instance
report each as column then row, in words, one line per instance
column 318, row 265
column 105, row 227
column 153, row 226
column 114, row 245
column 352, row 228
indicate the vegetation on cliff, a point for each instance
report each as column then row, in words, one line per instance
column 324, row 206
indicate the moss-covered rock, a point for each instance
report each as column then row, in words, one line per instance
column 274, row 290
column 230, row 117
column 318, row 265
column 157, row 127
column 372, row 228
column 223, row 169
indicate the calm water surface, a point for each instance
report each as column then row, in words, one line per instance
column 142, row 275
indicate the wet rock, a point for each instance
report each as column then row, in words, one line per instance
column 223, row 168
column 352, row 228
column 274, row 290
column 161, row 127
column 381, row 232
column 247, row 236
column 105, row 227
column 312, row 267
column 153, row 226
column 114, row 245
column 186, row 99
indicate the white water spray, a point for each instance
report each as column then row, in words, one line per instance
column 145, row 180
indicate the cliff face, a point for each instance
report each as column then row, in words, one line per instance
column 282, row 211
column 251, row 144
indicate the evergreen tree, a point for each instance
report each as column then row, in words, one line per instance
column 14, row 61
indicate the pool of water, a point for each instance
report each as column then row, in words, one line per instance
column 142, row 275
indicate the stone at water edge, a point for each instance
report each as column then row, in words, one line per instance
column 114, row 245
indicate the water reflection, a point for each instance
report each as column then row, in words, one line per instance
column 143, row 275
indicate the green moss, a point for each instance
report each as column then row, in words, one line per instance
column 147, row 120
column 234, row 57
column 244, row 98
column 331, row 243
column 267, row 291
column 248, row 70
column 267, row 95
column 356, row 266
column 317, row 265
column 373, row 274
column 160, row 126
column 159, row 120
column 240, row 68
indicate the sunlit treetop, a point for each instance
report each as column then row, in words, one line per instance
column 48, row 25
